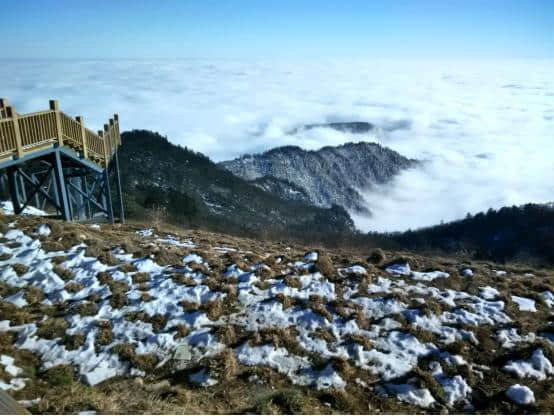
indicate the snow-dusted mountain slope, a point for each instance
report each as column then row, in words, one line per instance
column 329, row 176
column 85, row 303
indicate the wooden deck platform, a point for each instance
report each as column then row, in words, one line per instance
column 24, row 134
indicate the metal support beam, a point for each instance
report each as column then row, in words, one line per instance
column 22, row 190
column 118, row 187
column 84, row 185
column 88, row 197
column 49, row 187
column 14, row 191
column 109, row 206
column 38, row 187
column 60, row 187
column 37, row 194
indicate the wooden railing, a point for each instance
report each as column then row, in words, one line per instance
column 22, row 134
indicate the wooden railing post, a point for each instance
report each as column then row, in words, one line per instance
column 107, row 147
column 116, row 118
column 101, row 134
column 113, row 137
column 3, row 104
column 11, row 113
column 55, row 106
column 81, row 121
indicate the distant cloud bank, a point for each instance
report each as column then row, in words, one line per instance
column 484, row 129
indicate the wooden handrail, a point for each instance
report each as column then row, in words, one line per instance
column 21, row 134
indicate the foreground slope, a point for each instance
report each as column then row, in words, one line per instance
column 134, row 319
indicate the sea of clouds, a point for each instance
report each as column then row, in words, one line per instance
column 484, row 129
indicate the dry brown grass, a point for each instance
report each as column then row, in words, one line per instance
column 5, row 256
column 183, row 280
column 376, row 256
column 324, row 265
column 426, row 380
column 34, row 295
column 140, row 277
column 52, row 328
column 286, row 301
column 65, row 274
column 104, row 335
column 320, row 308
column 88, row 309
column 227, row 334
column 422, row 335
column 127, row 268
column 182, row 331
column 262, row 285
column 7, row 290
column 73, row 287
column 157, row 215
column 324, row 334
column 292, row 282
column 157, row 321
column 72, row 342
column 229, row 365
column 19, row 269
column 189, row 306
column 16, row 316
column 145, row 362
column 360, row 339
column 169, row 256
column 432, row 307
column 214, row 309
column 60, row 375
column 265, row 273
column 279, row 337
column 118, row 300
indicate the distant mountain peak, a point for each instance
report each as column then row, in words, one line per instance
column 328, row 176
column 355, row 127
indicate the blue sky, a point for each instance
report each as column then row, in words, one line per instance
column 267, row 28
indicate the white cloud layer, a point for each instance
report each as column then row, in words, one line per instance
column 485, row 129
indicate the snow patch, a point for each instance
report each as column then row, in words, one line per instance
column 311, row 256
column 43, row 230
column 7, row 208
column 202, row 378
column 525, row 304
column 538, row 366
column 410, row 394
column 193, row 258
column 520, row 394
column 488, row 293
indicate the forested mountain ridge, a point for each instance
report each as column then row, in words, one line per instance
column 330, row 175
column 198, row 192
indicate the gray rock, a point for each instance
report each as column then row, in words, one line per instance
column 183, row 353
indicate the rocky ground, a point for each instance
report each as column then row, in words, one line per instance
column 119, row 319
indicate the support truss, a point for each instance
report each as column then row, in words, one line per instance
column 62, row 184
